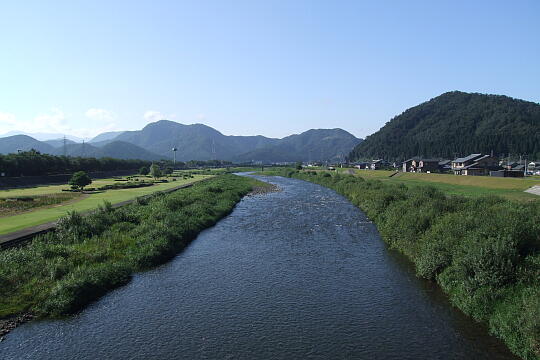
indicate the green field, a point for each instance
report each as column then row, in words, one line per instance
column 510, row 188
column 90, row 201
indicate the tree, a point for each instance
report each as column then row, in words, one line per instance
column 144, row 170
column 168, row 170
column 155, row 171
column 79, row 180
column 298, row 166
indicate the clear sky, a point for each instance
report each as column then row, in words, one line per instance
column 255, row 67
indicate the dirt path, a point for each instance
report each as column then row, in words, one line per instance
column 534, row 190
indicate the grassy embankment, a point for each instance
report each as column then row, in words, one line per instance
column 483, row 251
column 509, row 188
column 60, row 272
column 90, row 201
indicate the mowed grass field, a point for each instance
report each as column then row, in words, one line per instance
column 87, row 202
column 510, row 188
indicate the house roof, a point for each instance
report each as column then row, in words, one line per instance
column 445, row 162
column 418, row 158
column 467, row 158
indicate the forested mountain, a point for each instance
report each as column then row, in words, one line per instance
column 59, row 142
column 195, row 142
column 312, row 145
column 12, row 144
column 457, row 123
column 115, row 149
column 106, row 136
column 202, row 142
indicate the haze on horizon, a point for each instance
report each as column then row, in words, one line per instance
column 251, row 67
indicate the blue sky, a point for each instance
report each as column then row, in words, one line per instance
column 255, row 67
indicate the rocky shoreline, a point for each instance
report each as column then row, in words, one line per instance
column 261, row 190
column 6, row 325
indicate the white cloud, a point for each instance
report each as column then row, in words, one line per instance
column 153, row 115
column 100, row 114
column 52, row 122
column 58, row 122
column 7, row 122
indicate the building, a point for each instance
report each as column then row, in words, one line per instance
column 362, row 165
column 417, row 164
column 475, row 165
column 379, row 164
column 445, row 165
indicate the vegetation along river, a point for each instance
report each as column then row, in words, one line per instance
column 299, row 273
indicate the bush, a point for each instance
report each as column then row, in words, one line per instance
column 62, row 271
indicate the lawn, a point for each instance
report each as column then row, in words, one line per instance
column 17, row 222
column 510, row 188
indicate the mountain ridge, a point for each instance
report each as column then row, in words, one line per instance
column 456, row 124
column 199, row 142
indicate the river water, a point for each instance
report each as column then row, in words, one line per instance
column 296, row 274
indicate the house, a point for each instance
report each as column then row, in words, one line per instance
column 475, row 165
column 378, row 164
column 417, row 164
column 445, row 165
column 506, row 173
column 362, row 165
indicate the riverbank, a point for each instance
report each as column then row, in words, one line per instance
column 484, row 252
column 61, row 272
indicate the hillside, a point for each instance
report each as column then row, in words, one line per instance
column 457, row 123
column 196, row 142
column 312, row 145
column 115, row 149
column 59, row 142
column 106, row 136
column 202, row 142
column 12, row 144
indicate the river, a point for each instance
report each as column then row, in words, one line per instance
column 295, row 274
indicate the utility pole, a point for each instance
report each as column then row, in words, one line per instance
column 65, row 144
column 174, row 154
column 83, row 152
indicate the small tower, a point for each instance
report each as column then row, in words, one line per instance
column 174, row 150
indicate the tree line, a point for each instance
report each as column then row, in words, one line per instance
column 34, row 163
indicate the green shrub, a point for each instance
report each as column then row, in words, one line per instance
column 62, row 271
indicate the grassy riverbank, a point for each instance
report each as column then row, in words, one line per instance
column 60, row 272
column 483, row 251
column 89, row 201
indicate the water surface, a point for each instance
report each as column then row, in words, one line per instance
column 300, row 273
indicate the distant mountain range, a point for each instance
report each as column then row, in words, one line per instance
column 457, row 124
column 195, row 142
column 42, row 136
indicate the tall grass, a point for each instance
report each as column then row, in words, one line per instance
column 484, row 252
column 60, row 272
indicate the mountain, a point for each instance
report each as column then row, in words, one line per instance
column 42, row 136
column 194, row 142
column 312, row 145
column 456, row 124
column 115, row 149
column 59, row 142
column 12, row 144
column 106, row 136
column 201, row 142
